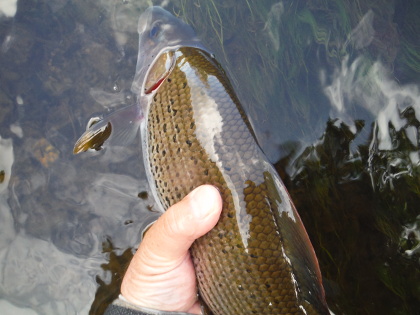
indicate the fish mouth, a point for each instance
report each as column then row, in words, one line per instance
column 159, row 70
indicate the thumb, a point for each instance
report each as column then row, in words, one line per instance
column 161, row 274
column 169, row 239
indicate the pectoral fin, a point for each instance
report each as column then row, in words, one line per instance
column 119, row 128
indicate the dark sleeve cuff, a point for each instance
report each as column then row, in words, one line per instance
column 122, row 307
column 120, row 310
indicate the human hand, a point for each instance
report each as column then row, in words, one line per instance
column 161, row 274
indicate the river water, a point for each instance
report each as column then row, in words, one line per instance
column 331, row 87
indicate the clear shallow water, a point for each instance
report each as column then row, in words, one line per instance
column 332, row 89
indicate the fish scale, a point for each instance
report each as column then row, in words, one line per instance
column 233, row 277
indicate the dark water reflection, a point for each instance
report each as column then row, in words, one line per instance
column 332, row 89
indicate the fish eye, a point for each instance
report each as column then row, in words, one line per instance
column 155, row 30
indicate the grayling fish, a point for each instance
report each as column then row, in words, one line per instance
column 258, row 259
